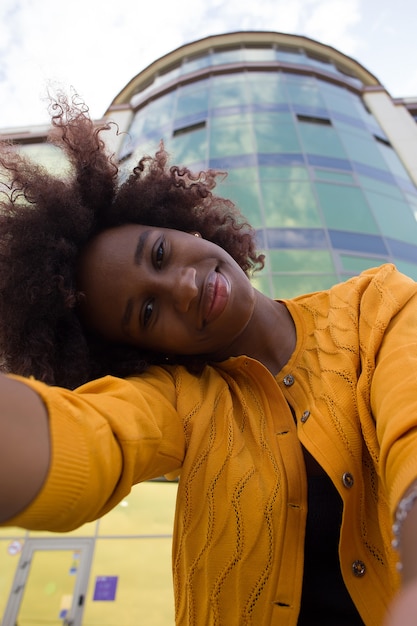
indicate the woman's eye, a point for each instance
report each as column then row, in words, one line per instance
column 159, row 255
column 147, row 312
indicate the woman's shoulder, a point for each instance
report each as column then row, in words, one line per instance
column 367, row 301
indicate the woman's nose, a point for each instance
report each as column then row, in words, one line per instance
column 184, row 288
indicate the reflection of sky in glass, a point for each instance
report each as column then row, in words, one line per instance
column 298, row 260
column 231, row 139
column 290, row 204
column 308, row 164
column 266, row 88
column 345, row 208
column 190, row 146
column 245, row 194
column 300, row 238
column 276, row 132
column 322, row 140
column 403, row 226
column 305, row 92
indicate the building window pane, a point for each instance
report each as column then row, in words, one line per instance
column 166, row 77
column 305, row 92
column 246, row 196
column 266, row 88
column 338, row 99
column 239, row 175
column 349, row 124
column 192, row 99
column 228, row 90
column 385, row 188
column 393, row 161
column 191, row 147
column 357, row 264
column 321, row 140
column 300, row 261
column 153, row 117
column 193, row 64
column 345, row 208
column 221, row 57
column 410, row 269
column 234, row 139
column 363, row 149
column 290, row 56
column 395, row 218
column 258, row 54
column 276, row 133
column 230, row 115
column 290, row 286
column 289, row 204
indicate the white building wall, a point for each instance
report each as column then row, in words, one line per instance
column 398, row 125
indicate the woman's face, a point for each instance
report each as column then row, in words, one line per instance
column 164, row 290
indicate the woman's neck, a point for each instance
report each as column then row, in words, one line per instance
column 275, row 337
column 269, row 337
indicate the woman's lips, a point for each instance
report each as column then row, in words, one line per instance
column 216, row 296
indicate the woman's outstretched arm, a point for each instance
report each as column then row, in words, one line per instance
column 71, row 462
column 24, row 446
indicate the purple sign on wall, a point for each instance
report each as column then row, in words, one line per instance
column 105, row 588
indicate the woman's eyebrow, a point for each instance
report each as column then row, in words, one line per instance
column 139, row 248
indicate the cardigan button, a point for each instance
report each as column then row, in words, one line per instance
column 305, row 416
column 358, row 568
column 288, row 380
column 348, row 480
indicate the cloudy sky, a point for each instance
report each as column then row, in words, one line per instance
column 97, row 46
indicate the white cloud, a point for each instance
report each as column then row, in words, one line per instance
column 333, row 22
column 99, row 47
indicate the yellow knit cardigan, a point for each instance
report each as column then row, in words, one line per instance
column 241, row 509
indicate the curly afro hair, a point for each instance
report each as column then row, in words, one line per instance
column 46, row 221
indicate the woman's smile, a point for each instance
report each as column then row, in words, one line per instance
column 216, row 296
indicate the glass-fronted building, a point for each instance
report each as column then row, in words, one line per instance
column 311, row 141
column 323, row 163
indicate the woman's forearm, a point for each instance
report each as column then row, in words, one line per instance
column 24, row 446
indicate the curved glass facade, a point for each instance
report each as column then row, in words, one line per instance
column 307, row 162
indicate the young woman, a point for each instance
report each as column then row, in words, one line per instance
column 135, row 346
